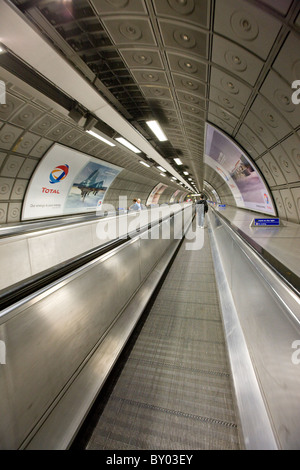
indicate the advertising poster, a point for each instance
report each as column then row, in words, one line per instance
column 246, row 185
column 156, row 193
column 67, row 182
column 174, row 196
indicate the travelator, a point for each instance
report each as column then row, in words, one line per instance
column 64, row 328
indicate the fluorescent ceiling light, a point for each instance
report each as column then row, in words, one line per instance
column 127, row 144
column 178, row 161
column 156, row 129
column 161, row 168
column 185, row 172
column 94, row 134
column 162, row 174
column 144, row 163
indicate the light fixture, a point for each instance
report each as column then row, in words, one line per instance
column 161, row 168
column 162, row 174
column 178, row 161
column 156, row 129
column 144, row 163
column 127, row 144
column 94, row 134
column 185, row 172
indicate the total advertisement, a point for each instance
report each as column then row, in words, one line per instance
column 67, row 182
column 244, row 181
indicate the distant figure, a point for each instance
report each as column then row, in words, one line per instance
column 136, row 206
column 201, row 209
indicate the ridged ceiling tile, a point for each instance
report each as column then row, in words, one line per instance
column 26, row 144
column 151, row 91
column 282, row 6
column 43, row 125
column 194, row 120
column 130, row 30
column 19, row 189
column 182, row 82
column 151, row 77
column 274, row 121
column 221, row 124
column 226, row 101
column 137, row 58
column 14, row 211
column 9, row 136
column 290, row 206
column 246, row 146
column 274, row 169
column 279, row 204
column 26, row 116
column 284, row 162
column 287, row 63
column 162, row 104
column 236, row 60
column 70, row 137
column 260, row 129
column 246, row 25
column 6, row 185
column 278, row 92
column 230, row 85
column 195, row 11
column 12, row 166
column 191, row 99
column 3, row 211
column 57, row 132
column 83, row 140
column 187, row 65
column 253, row 140
column 27, row 168
column 265, row 171
column 2, row 158
column 193, row 110
column 90, row 146
column 223, row 114
column 104, row 7
column 10, row 108
column 40, row 148
column 183, row 37
column 296, row 196
column 291, row 146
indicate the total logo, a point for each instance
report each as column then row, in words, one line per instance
column 266, row 198
column 56, row 176
column 59, row 173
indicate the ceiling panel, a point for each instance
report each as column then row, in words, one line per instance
column 182, row 62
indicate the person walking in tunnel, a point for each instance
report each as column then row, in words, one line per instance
column 201, row 209
column 136, row 206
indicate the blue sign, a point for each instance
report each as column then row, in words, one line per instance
column 222, row 205
column 266, row 222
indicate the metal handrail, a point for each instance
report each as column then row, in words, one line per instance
column 276, row 266
column 24, row 288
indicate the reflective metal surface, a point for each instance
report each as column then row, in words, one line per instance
column 267, row 316
column 51, row 336
column 51, row 245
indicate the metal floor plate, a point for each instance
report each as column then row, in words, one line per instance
column 173, row 391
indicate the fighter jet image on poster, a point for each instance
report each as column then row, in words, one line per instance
column 91, row 185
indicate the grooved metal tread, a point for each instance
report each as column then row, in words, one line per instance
column 173, row 389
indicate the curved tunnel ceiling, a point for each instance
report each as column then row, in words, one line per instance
column 183, row 62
